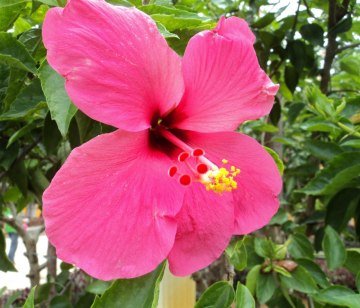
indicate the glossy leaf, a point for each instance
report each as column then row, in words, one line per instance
column 136, row 292
column 219, row 295
column 340, row 171
column 14, row 53
column 243, row 297
column 60, row 106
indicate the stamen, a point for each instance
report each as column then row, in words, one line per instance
column 172, row 171
column 198, row 152
column 183, row 156
column 185, row 180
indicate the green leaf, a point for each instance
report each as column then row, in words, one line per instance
column 334, row 249
column 300, row 280
column 60, row 106
column 315, row 271
column 342, row 26
column 265, row 287
column 252, row 278
column 27, row 101
column 338, row 295
column 21, row 132
column 10, row 10
column 291, row 77
column 14, row 53
column 165, row 32
column 16, row 83
column 341, row 208
column 5, row 264
column 237, row 255
column 264, row 21
column 18, row 175
column 98, row 287
column 137, row 292
column 352, row 262
column 264, row 247
column 30, row 299
column 51, row 135
column 357, row 281
column 219, row 295
column 279, row 163
column 300, row 247
column 339, row 172
column 323, row 150
column 243, row 297
column 313, row 33
column 60, row 301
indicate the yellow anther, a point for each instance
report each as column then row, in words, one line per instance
column 221, row 179
column 224, row 161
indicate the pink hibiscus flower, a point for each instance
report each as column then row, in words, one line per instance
column 173, row 182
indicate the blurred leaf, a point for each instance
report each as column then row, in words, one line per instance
column 342, row 26
column 14, row 53
column 339, row 171
column 291, row 77
column 137, row 292
column 60, row 106
column 26, row 102
column 264, row 21
column 265, row 287
column 237, row 255
column 18, row 174
column 29, row 303
column 243, row 297
column 16, row 82
column 341, row 208
column 275, row 113
column 300, row 247
column 300, row 280
column 60, row 301
column 323, row 150
column 252, row 278
column 5, row 264
column 21, row 132
column 338, row 295
column 313, row 33
column 219, row 295
column 51, row 135
column 352, row 262
column 10, row 10
column 264, row 247
column 297, row 54
column 334, row 249
column 315, row 271
column 98, row 287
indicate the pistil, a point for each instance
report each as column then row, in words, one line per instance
column 204, row 171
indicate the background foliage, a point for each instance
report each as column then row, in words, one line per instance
column 309, row 255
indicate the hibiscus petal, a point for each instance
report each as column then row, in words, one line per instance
column 224, row 84
column 110, row 209
column 205, row 226
column 118, row 68
column 259, row 182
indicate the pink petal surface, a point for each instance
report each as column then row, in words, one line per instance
column 110, row 209
column 224, row 84
column 118, row 68
column 259, row 183
column 205, row 226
